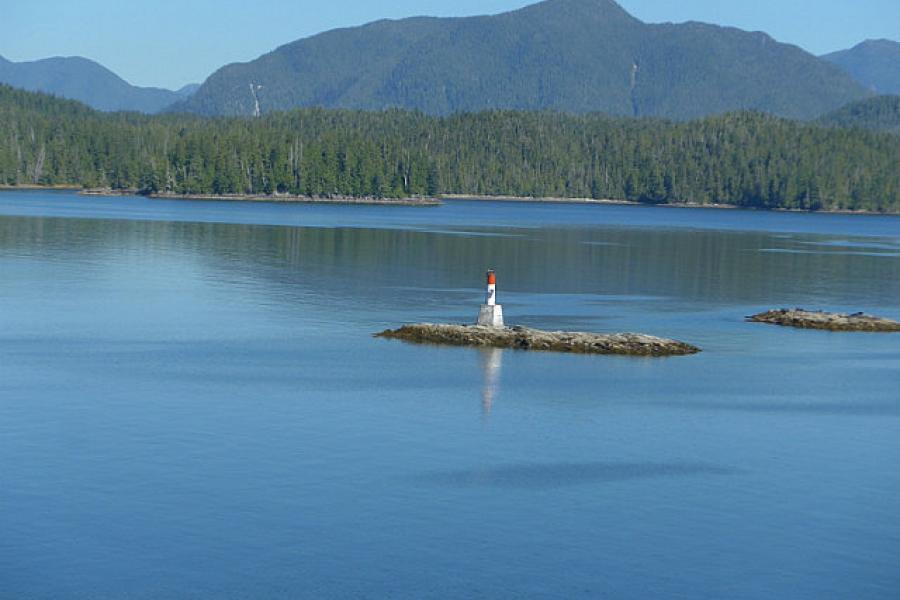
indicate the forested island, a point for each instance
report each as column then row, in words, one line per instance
column 881, row 113
column 745, row 159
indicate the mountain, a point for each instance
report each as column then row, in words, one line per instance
column 873, row 63
column 881, row 113
column 84, row 80
column 568, row 55
column 188, row 90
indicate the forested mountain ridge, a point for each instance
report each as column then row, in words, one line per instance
column 873, row 63
column 747, row 159
column 84, row 80
column 574, row 56
column 881, row 113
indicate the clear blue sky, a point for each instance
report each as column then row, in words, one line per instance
column 168, row 43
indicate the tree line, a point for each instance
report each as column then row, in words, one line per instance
column 747, row 159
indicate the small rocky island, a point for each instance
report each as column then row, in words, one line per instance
column 807, row 319
column 490, row 332
column 524, row 338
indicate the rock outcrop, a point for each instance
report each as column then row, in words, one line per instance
column 807, row 319
column 523, row 338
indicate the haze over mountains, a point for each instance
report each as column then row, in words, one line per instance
column 874, row 63
column 84, row 80
column 568, row 55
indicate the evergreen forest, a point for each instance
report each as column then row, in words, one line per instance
column 746, row 159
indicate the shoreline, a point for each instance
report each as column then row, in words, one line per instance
column 609, row 202
column 422, row 201
column 540, row 199
column 34, row 186
column 272, row 198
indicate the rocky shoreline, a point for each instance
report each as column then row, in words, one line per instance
column 418, row 201
column 36, row 186
column 806, row 319
column 538, row 199
column 361, row 200
column 606, row 201
column 523, row 338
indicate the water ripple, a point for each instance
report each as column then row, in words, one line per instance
column 550, row 475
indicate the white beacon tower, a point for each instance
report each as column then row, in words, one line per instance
column 491, row 313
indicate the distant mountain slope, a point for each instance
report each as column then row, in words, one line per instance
column 84, row 80
column 568, row 55
column 878, row 114
column 188, row 90
column 874, row 63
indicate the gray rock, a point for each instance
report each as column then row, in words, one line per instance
column 523, row 338
column 807, row 319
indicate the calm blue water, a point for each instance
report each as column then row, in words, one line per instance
column 191, row 404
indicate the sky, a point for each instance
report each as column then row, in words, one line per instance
column 169, row 43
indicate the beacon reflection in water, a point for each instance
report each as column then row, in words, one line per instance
column 491, row 363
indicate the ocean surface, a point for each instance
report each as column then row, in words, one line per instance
column 192, row 404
